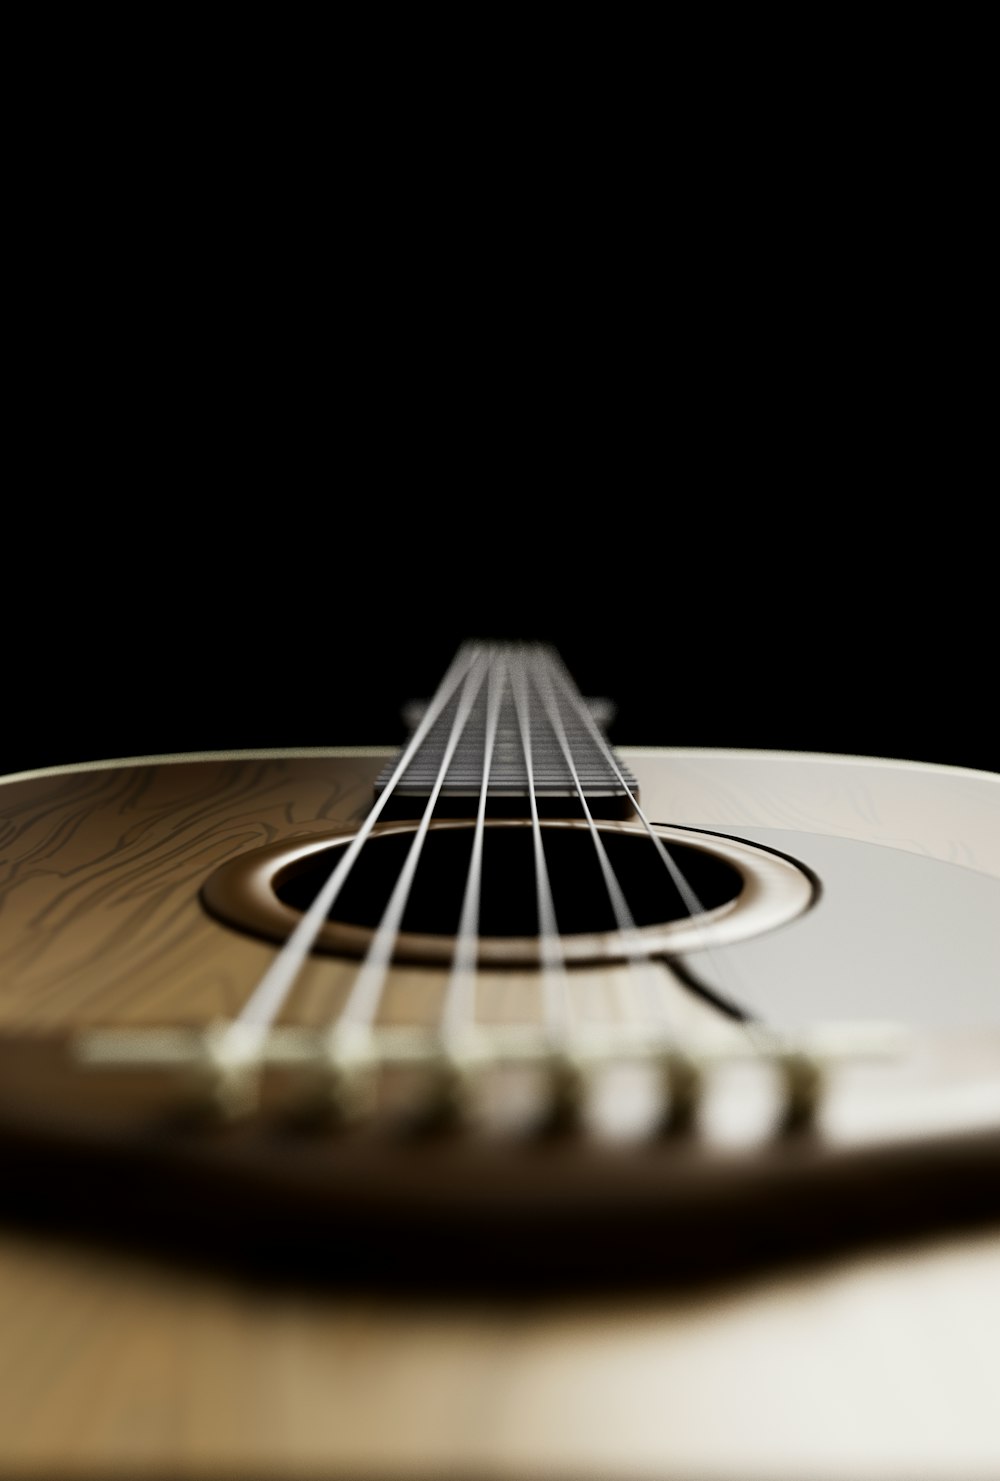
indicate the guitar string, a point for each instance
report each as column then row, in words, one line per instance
column 555, row 990
column 640, row 970
column 362, row 1004
column 272, row 991
column 690, row 899
column 459, row 1010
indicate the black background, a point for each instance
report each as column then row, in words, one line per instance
column 279, row 447
column 753, row 607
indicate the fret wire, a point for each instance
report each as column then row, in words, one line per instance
column 507, row 775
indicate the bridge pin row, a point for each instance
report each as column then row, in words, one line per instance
column 333, row 1079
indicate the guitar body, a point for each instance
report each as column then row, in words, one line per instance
column 815, row 1357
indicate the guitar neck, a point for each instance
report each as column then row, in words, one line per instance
column 528, row 732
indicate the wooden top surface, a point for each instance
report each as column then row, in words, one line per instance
column 116, row 1364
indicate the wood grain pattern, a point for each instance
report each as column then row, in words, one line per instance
column 99, row 915
column 119, row 1365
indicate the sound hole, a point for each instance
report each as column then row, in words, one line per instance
column 508, row 903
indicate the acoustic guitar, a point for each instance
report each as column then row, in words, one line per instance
column 507, row 1106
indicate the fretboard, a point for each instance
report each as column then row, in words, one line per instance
column 603, row 779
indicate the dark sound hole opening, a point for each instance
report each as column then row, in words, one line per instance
column 508, row 905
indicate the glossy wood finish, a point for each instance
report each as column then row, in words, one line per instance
column 115, row 1364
